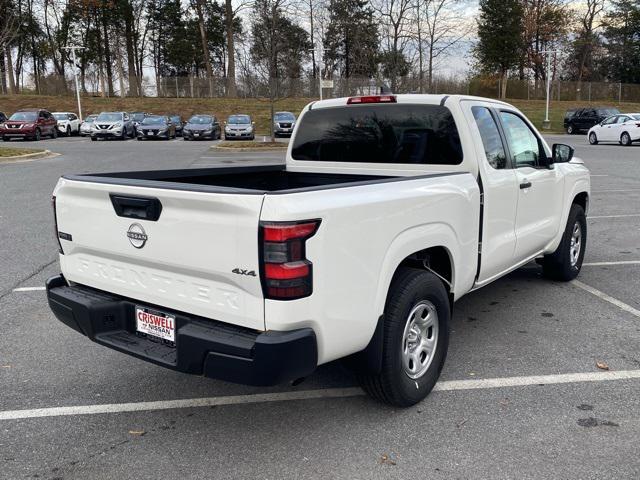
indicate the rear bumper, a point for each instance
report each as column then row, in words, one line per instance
column 203, row 347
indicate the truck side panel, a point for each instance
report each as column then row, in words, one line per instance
column 365, row 233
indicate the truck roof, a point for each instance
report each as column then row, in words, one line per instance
column 427, row 99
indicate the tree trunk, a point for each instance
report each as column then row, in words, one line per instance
column 12, row 84
column 107, row 52
column 131, row 62
column 3, row 75
column 503, row 92
column 206, row 57
column 231, row 64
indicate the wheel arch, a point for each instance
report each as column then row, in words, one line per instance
column 439, row 259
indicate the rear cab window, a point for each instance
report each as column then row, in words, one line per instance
column 395, row 134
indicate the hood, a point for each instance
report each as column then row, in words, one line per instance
column 242, row 126
column 153, row 126
column 198, row 126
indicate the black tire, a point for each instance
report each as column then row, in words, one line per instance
column 94, row 139
column 393, row 385
column 593, row 138
column 68, row 132
column 139, row 138
column 570, row 129
column 625, row 139
column 38, row 135
column 54, row 133
column 185, row 138
column 123, row 135
column 558, row 265
column 6, row 139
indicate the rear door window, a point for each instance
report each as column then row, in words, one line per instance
column 493, row 147
column 396, row 133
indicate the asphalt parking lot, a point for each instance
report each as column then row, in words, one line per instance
column 521, row 395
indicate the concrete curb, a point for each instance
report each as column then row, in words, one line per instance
column 248, row 149
column 28, row 157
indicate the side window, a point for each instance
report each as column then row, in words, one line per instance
column 493, row 148
column 622, row 119
column 610, row 120
column 42, row 115
column 523, row 144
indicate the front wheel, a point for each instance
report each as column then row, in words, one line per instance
column 593, row 139
column 625, row 139
column 565, row 263
column 416, row 339
column 571, row 130
column 68, row 132
column 38, row 135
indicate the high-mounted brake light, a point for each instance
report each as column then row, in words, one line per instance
column 285, row 272
column 372, row 99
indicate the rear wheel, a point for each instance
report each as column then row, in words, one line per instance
column 54, row 133
column 565, row 263
column 625, row 139
column 593, row 139
column 416, row 339
column 94, row 139
column 68, row 132
column 570, row 129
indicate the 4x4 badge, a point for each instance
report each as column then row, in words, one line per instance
column 137, row 235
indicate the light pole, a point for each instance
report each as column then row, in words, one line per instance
column 75, row 75
column 546, row 124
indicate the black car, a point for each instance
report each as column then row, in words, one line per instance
column 137, row 118
column 582, row 119
column 156, row 126
column 202, row 126
column 177, row 121
column 3, row 117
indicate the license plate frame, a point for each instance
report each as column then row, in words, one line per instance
column 155, row 324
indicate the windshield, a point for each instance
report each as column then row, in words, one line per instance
column 635, row 116
column 175, row 118
column 153, row 120
column 61, row 116
column 109, row 117
column 284, row 117
column 414, row 134
column 90, row 118
column 609, row 111
column 239, row 119
column 24, row 116
column 200, row 119
column 137, row 117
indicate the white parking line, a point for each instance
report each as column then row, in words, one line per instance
column 444, row 386
column 604, row 264
column 618, row 191
column 29, row 289
column 606, row 298
column 590, row 217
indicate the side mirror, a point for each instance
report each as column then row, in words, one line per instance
column 561, row 153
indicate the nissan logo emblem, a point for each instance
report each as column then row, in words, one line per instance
column 137, row 235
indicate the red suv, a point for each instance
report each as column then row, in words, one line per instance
column 29, row 124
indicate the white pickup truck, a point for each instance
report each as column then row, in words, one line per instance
column 389, row 209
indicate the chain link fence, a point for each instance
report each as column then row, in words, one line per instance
column 251, row 86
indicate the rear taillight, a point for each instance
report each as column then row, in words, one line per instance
column 55, row 222
column 372, row 99
column 286, row 273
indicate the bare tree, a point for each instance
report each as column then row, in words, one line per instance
column 438, row 30
column 395, row 16
column 586, row 37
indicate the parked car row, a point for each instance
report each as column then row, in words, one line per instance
column 604, row 124
column 33, row 124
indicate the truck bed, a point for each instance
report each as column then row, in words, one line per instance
column 247, row 180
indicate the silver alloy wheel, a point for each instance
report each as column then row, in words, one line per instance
column 625, row 139
column 420, row 339
column 576, row 244
column 592, row 138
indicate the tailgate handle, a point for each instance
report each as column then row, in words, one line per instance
column 145, row 208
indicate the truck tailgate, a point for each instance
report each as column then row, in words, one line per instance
column 187, row 259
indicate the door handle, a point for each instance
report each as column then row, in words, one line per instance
column 525, row 184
